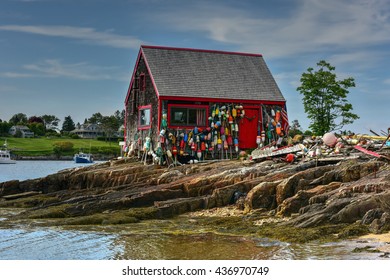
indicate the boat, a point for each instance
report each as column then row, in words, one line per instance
column 5, row 155
column 83, row 158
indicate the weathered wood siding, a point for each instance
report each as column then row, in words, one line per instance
column 140, row 98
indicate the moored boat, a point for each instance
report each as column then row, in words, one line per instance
column 83, row 158
column 5, row 155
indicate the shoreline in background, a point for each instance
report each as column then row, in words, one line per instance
column 54, row 158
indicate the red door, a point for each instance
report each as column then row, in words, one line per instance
column 248, row 127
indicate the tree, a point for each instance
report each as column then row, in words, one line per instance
column 18, row 118
column 68, row 124
column 37, row 128
column 295, row 128
column 120, row 116
column 295, row 125
column 96, row 118
column 109, row 125
column 4, row 128
column 35, row 119
column 50, row 121
column 325, row 99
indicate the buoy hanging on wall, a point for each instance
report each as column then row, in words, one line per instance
column 234, row 112
column 277, row 116
column 236, row 144
column 278, row 129
column 199, row 154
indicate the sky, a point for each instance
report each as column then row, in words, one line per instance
column 76, row 57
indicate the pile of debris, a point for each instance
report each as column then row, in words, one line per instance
column 328, row 148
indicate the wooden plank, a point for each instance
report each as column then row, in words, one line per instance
column 363, row 150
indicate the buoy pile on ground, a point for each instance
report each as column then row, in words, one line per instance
column 329, row 147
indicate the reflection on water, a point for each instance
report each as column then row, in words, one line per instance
column 59, row 244
column 192, row 247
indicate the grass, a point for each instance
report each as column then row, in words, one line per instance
column 44, row 146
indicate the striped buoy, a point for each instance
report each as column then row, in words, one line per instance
column 236, row 144
column 219, row 142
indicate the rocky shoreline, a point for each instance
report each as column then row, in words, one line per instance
column 296, row 202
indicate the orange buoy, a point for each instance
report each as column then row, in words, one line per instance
column 277, row 116
column 278, row 129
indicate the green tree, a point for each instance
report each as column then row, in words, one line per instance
column 50, row 121
column 37, row 128
column 295, row 128
column 295, row 125
column 120, row 116
column 325, row 98
column 95, row 119
column 68, row 124
column 18, row 118
column 109, row 126
column 4, row 128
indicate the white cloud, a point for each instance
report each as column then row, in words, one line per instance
column 15, row 75
column 85, row 34
column 290, row 78
column 312, row 26
column 54, row 68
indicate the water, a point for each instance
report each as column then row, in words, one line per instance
column 62, row 244
column 32, row 169
column 55, row 244
column 147, row 240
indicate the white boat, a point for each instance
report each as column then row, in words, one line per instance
column 5, row 155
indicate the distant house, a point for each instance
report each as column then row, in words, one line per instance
column 88, row 131
column 24, row 131
column 189, row 99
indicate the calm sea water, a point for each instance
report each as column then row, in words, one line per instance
column 139, row 241
column 31, row 169
column 60, row 244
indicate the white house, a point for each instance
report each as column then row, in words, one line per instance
column 87, row 131
column 25, row 131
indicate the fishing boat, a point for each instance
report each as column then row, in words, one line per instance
column 83, row 158
column 5, row 155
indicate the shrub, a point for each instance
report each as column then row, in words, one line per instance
column 59, row 148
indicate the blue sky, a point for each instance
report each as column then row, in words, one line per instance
column 75, row 57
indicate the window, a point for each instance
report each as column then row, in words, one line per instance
column 142, row 82
column 145, row 113
column 187, row 115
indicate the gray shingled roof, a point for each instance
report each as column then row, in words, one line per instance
column 211, row 74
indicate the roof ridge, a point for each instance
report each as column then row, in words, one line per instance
column 199, row 50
